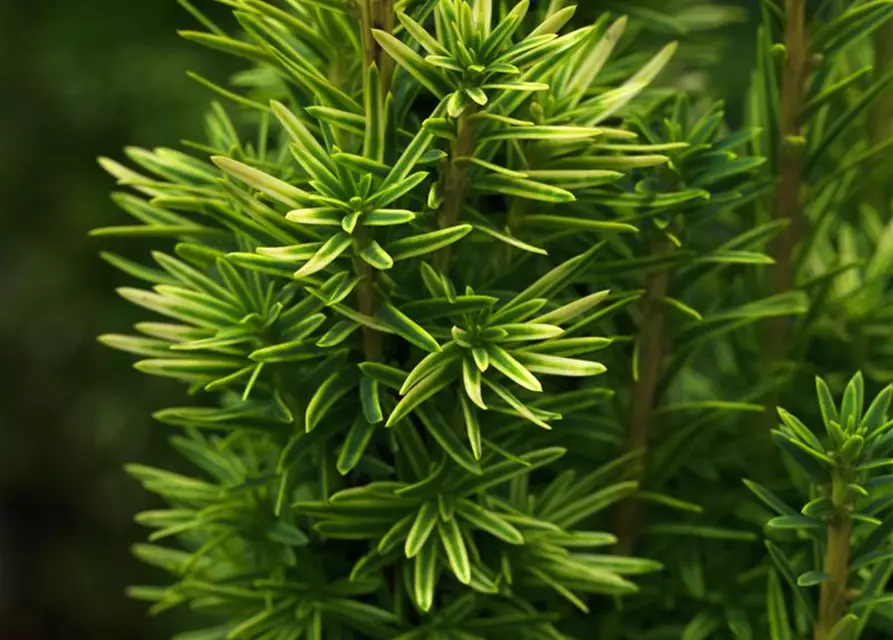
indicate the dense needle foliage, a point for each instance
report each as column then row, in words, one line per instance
column 484, row 311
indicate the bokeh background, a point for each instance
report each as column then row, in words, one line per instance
column 79, row 80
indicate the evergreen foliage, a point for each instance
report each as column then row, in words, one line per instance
column 484, row 310
column 838, row 529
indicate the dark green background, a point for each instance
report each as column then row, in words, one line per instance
column 79, row 80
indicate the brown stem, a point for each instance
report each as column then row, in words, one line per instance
column 377, row 14
column 789, row 159
column 374, row 14
column 881, row 111
column 365, row 296
column 455, row 182
column 651, row 340
column 833, row 596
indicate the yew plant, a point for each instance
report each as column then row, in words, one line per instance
column 483, row 309
column 844, row 546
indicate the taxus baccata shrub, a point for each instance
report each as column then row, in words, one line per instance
column 483, row 310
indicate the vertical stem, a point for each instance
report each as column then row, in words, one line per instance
column 880, row 127
column 365, row 296
column 629, row 517
column 377, row 14
column 455, row 182
column 374, row 14
column 370, row 46
column 881, row 114
column 789, row 158
column 833, row 593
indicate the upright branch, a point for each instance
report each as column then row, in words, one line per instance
column 789, row 161
column 881, row 114
column 334, row 478
column 651, row 342
column 455, row 180
column 844, row 467
column 374, row 14
column 833, row 594
column 365, row 297
column 377, row 14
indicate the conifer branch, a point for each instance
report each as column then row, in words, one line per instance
column 323, row 240
column 833, row 595
column 843, row 495
column 455, row 181
column 374, row 15
column 789, row 156
column 365, row 297
column 881, row 114
column 652, row 346
column 377, row 15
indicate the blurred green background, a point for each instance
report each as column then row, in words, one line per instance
column 79, row 80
